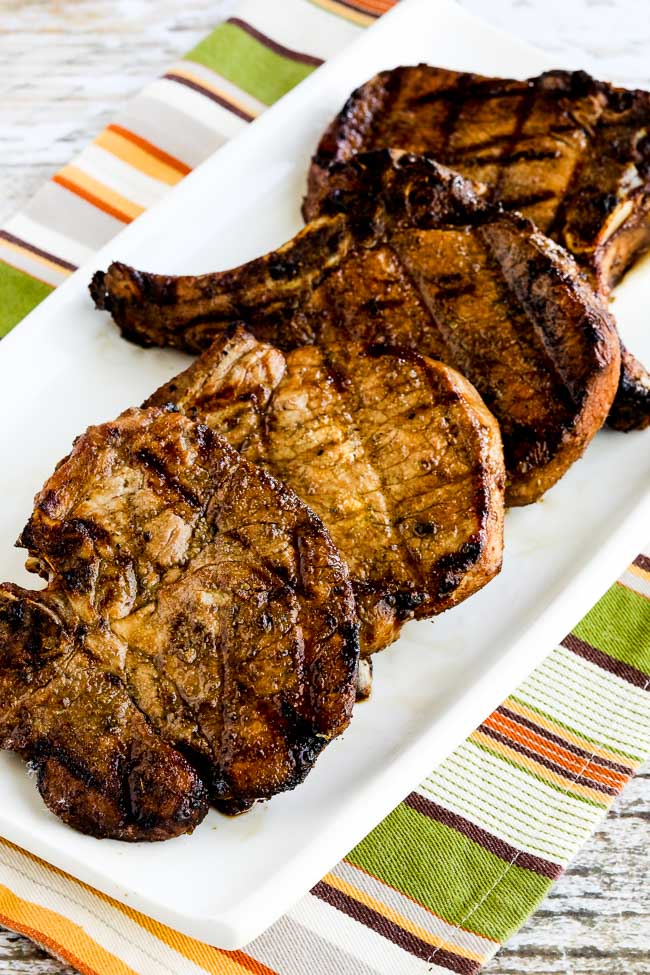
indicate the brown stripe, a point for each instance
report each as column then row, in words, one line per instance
column 643, row 562
column 625, row 671
column 547, row 763
column 510, row 854
column 393, row 932
column 569, row 746
column 37, row 250
column 195, row 86
column 285, row 52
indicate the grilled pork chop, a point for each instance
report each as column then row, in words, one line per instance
column 410, row 256
column 571, row 153
column 396, row 454
column 196, row 643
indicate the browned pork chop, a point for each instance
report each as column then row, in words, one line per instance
column 411, row 257
column 571, row 153
column 197, row 641
column 396, row 453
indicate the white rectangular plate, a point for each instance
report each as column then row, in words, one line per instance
column 66, row 367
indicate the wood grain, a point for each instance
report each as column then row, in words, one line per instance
column 66, row 66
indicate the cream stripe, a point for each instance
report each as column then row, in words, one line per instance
column 573, row 704
column 49, row 240
column 170, row 129
column 292, row 949
column 294, row 20
column 43, row 263
column 220, row 85
column 120, row 177
column 473, row 762
column 106, row 925
column 640, row 573
column 464, row 942
column 636, row 580
column 62, row 211
column 359, row 941
column 476, row 766
column 585, row 719
column 564, row 664
column 552, row 845
column 513, row 819
column 22, row 260
column 561, row 809
column 196, row 106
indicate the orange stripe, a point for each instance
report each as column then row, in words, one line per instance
column 638, row 571
column 374, row 6
column 214, row 960
column 103, row 200
column 363, row 20
column 566, row 784
column 548, row 749
column 569, row 736
column 137, row 158
column 53, row 947
column 101, row 190
column 54, row 930
column 151, row 149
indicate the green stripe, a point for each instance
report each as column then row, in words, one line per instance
column 247, row 63
column 448, row 873
column 19, row 293
column 619, row 625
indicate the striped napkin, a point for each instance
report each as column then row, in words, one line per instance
column 459, row 865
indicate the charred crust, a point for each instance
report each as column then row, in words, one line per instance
column 99, row 292
column 406, row 602
column 349, row 631
column 450, row 569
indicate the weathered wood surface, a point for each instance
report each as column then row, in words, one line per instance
column 65, row 66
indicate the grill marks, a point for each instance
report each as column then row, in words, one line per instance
column 208, row 649
column 423, row 264
column 396, row 454
column 495, row 131
column 489, row 357
column 569, row 152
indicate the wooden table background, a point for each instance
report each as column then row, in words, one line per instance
column 65, row 66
